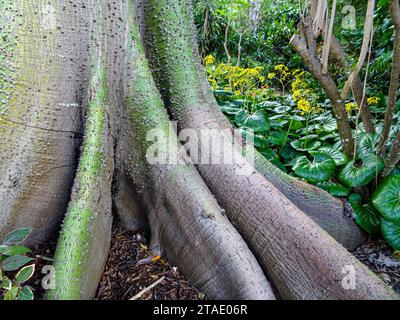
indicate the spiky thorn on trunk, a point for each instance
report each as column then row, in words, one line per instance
column 42, row 84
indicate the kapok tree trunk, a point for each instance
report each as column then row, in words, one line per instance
column 41, row 99
column 86, row 233
column 184, row 218
column 302, row 261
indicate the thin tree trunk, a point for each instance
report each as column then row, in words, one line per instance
column 205, row 29
column 239, row 50
column 305, row 45
column 226, row 40
column 393, row 157
column 368, row 34
column 358, row 87
column 394, row 8
column 337, row 52
column 328, row 39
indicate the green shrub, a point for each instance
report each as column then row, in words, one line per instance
column 14, row 272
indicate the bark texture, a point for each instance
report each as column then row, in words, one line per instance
column 86, row 234
column 393, row 157
column 358, row 88
column 184, row 218
column 338, row 55
column 44, row 61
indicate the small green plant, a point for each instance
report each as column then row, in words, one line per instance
column 14, row 272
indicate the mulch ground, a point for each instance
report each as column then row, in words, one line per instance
column 377, row 255
column 132, row 269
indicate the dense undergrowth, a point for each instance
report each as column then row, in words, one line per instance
column 292, row 125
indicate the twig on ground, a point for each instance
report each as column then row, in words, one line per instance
column 144, row 291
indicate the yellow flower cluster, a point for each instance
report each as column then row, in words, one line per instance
column 304, row 106
column 241, row 81
column 373, row 101
column 351, row 106
column 302, row 94
column 282, row 74
column 281, row 68
column 209, row 60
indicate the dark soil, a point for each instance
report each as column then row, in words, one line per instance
column 43, row 255
column 377, row 255
column 132, row 267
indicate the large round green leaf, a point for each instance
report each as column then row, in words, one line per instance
column 320, row 169
column 368, row 143
column 277, row 138
column 391, row 232
column 326, row 123
column 258, row 140
column 257, row 121
column 331, row 135
column 240, row 103
column 296, row 125
column 387, row 199
column 223, row 93
column 281, row 109
column 395, row 172
column 277, row 163
column 339, row 157
column 361, row 172
column 229, row 108
column 366, row 215
column 306, row 145
column 279, row 121
column 269, row 105
column 288, row 153
column 268, row 153
column 334, row 188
